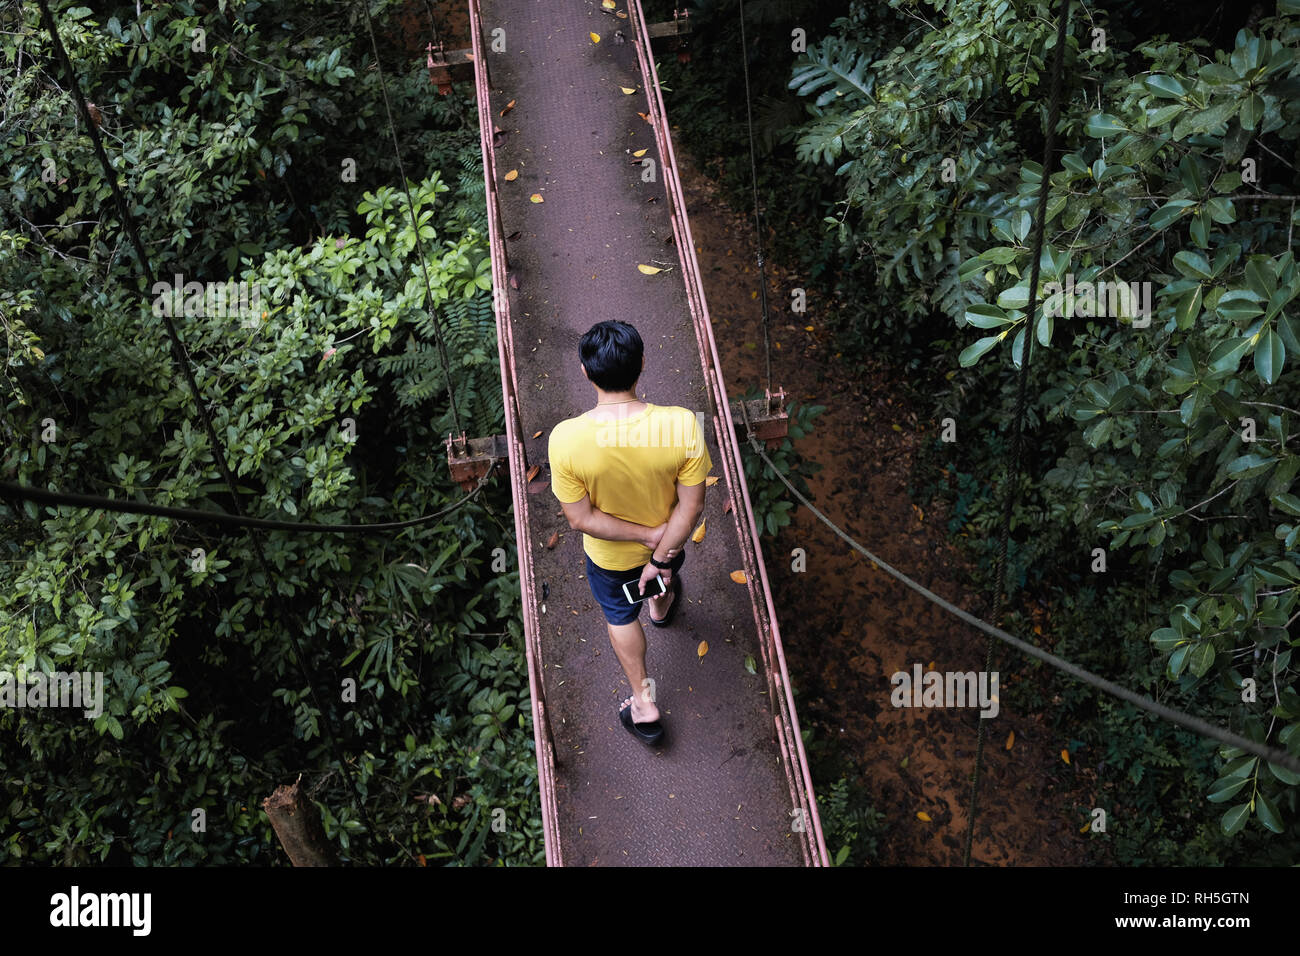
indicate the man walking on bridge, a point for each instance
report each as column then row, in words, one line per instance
column 630, row 476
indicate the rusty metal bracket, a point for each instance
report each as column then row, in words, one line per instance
column 446, row 65
column 468, row 460
column 766, row 418
column 679, row 25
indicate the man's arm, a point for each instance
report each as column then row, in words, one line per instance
column 685, row 516
column 585, row 517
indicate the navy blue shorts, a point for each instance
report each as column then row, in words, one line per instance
column 607, row 589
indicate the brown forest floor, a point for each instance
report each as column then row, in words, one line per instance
column 847, row 627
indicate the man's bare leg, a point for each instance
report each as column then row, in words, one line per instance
column 628, row 641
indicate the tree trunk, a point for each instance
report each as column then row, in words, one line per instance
column 297, row 823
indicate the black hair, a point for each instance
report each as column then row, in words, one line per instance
column 611, row 353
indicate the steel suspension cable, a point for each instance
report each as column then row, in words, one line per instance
column 1187, row 721
column 758, row 223
column 16, row 492
column 1000, row 585
column 415, row 225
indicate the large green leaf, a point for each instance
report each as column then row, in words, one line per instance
column 1270, row 355
column 971, row 354
column 1235, row 818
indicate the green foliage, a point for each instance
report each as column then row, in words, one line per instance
column 852, row 827
column 232, row 160
column 1165, row 442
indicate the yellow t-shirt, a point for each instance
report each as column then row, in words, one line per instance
column 629, row 468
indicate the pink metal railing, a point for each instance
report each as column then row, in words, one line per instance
column 778, row 679
column 798, row 778
column 543, row 738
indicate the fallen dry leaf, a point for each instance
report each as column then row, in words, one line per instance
column 539, row 434
column 622, row 14
column 710, row 481
column 702, row 649
column 509, row 106
column 645, row 116
column 1011, row 739
column 1084, row 828
column 726, row 509
column 595, row 37
column 739, row 577
column 807, row 328
column 641, row 152
column 512, row 175
column 922, row 815
column 537, row 197
column 698, row 536
column 553, row 540
column 608, row 4
column 532, row 472
column 628, row 90
column 514, row 281
column 648, row 270
column 1065, row 755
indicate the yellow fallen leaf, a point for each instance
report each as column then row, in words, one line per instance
column 538, row 434
column 753, row 295
column 1011, row 739
column 537, row 197
column 1065, row 755
column 739, row 577
column 807, row 328
column 629, row 90
column 702, row 649
column 649, row 270
column 922, row 815
column 641, row 152
column 710, row 481
column 608, row 4
column 1084, row 828
column 512, row 175
column 698, row 536
column 595, row 37
column 508, row 107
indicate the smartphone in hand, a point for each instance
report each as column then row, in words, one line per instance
column 633, row 597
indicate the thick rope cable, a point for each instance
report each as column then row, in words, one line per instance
column 181, row 359
column 758, row 223
column 1001, row 587
column 1182, row 719
column 415, row 224
column 15, row 492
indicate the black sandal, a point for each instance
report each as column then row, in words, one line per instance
column 676, row 588
column 649, row 733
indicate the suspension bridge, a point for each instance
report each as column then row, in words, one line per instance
column 582, row 189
